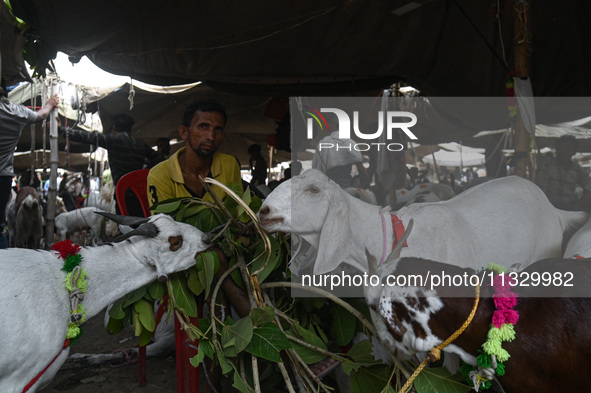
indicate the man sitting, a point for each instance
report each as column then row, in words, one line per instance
column 559, row 177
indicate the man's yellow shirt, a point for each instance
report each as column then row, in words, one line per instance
column 166, row 181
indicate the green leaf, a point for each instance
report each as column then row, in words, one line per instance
column 207, row 221
column 210, row 264
column 262, row 316
column 308, row 355
column 240, row 384
column 115, row 326
column 242, row 216
column 237, row 336
column 236, row 276
column 255, row 204
column 182, row 297
column 206, row 347
column 167, row 207
column 361, row 355
column 231, row 204
column 343, row 325
column 436, row 380
column 195, row 209
column 236, row 187
column 362, row 352
column 116, row 310
column 197, row 359
column 193, row 282
column 157, row 289
column 321, row 333
column 224, row 364
column 137, row 325
column 267, row 342
column 146, row 314
column 261, row 257
column 374, row 379
column 145, row 337
column 133, row 296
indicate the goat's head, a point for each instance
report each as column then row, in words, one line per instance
column 167, row 245
column 300, row 205
column 316, row 208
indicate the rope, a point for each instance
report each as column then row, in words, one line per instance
column 131, row 94
column 34, row 380
column 76, row 295
column 435, row 352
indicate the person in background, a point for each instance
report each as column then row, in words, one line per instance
column 13, row 118
column 337, row 162
column 559, row 177
column 126, row 154
column 258, row 166
column 162, row 150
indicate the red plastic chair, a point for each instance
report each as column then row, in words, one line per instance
column 187, row 375
column 136, row 181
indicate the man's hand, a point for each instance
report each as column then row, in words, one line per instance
column 53, row 101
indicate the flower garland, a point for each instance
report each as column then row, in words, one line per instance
column 76, row 285
column 489, row 362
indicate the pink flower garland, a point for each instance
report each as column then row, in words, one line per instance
column 504, row 301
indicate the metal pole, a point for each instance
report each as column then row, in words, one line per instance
column 53, row 162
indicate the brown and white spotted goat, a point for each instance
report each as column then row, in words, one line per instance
column 552, row 348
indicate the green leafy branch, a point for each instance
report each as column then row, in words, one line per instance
column 283, row 336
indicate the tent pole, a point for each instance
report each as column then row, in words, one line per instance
column 435, row 164
column 53, row 162
column 522, row 68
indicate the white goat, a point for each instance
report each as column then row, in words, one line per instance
column 364, row 194
column 28, row 219
column 32, row 289
column 81, row 219
column 432, row 192
column 580, row 244
column 505, row 221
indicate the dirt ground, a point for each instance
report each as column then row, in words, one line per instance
column 76, row 377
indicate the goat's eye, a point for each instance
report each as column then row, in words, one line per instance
column 175, row 242
column 313, row 189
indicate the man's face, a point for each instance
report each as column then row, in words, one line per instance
column 205, row 134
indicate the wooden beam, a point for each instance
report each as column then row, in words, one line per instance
column 522, row 68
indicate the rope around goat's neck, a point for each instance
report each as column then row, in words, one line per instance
column 76, row 294
column 435, row 352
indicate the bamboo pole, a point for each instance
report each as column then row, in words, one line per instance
column 522, row 69
column 53, row 162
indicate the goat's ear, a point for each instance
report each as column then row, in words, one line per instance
column 372, row 262
column 148, row 229
column 335, row 237
column 124, row 220
column 396, row 251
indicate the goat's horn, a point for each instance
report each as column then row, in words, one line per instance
column 124, row 220
column 396, row 251
column 148, row 229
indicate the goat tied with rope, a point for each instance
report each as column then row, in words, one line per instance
column 33, row 289
column 551, row 344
